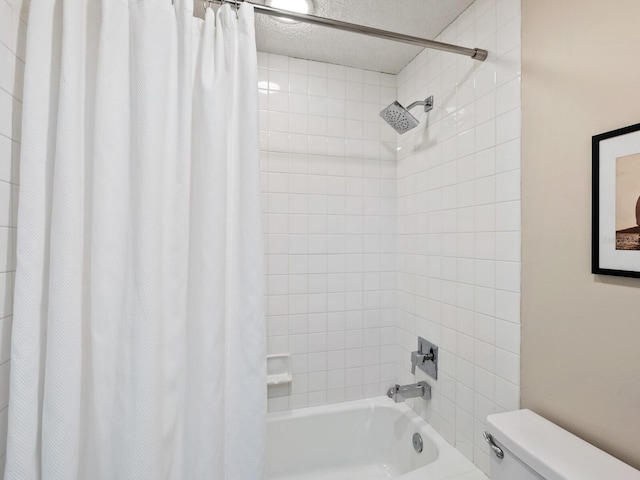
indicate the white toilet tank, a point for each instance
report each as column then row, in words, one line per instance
column 536, row 449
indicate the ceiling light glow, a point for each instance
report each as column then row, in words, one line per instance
column 298, row 6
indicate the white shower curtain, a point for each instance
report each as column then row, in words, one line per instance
column 138, row 346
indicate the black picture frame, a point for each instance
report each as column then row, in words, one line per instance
column 611, row 253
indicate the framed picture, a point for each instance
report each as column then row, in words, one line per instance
column 616, row 203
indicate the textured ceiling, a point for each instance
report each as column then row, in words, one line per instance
column 420, row 18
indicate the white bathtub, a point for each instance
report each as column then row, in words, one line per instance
column 366, row 439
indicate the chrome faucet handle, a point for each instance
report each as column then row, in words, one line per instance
column 425, row 358
column 417, row 357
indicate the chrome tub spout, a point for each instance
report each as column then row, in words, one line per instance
column 399, row 393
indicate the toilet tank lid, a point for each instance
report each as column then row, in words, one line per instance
column 553, row 452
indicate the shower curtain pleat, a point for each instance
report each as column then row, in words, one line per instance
column 138, row 348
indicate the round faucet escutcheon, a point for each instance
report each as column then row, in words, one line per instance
column 418, row 444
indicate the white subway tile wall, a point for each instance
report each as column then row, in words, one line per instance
column 13, row 16
column 329, row 194
column 459, row 225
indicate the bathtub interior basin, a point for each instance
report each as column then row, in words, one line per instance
column 367, row 439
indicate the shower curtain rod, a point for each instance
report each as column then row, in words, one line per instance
column 475, row 53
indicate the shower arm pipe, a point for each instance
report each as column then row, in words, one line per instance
column 475, row 53
column 428, row 104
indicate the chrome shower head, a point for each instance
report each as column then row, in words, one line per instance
column 399, row 117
